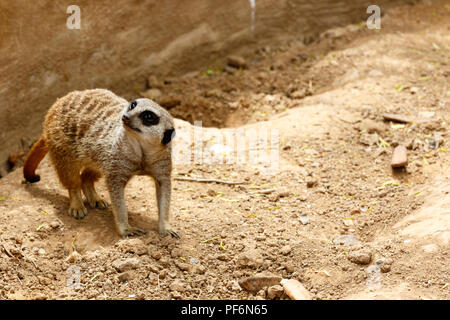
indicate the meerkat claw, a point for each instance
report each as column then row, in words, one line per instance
column 78, row 213
column 99, row 204
column 171, row 232
column 131, row 231
column 174, row 234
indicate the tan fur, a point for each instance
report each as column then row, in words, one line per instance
column 93, row 133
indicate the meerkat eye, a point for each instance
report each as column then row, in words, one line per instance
column 132, row 105
column 149, row 118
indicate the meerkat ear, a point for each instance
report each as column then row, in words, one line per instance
column 168, row 136
column 132, row 105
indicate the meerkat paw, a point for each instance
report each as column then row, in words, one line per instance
column 78, row 213
column 132, row 231
column 165, row 231
column 99, row 204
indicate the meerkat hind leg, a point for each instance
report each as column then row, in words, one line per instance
column 69, row 175
column 88, row 178
column 77, row 208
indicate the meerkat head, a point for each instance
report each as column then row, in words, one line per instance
column 148, row 121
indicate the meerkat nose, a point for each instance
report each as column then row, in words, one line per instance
column 125, row 118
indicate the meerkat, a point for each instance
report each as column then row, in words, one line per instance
column 93, row 133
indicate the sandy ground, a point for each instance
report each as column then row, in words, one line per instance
column 333, row 215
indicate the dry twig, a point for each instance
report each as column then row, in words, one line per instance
column 208, row 180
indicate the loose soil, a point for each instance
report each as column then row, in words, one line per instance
column 338, row 219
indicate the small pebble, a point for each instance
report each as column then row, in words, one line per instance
column 274, row 292
column 362, row 256
column 286, row 250
column 399, row 157
column 304, row 219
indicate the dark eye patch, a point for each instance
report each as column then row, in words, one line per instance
column 149, row 118
column 133, row 105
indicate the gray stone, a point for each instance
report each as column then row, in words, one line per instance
column 346, row 240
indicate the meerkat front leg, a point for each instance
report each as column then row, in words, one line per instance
column 117, row 194
column 163, row 192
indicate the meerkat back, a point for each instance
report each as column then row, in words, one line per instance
column 77, row 124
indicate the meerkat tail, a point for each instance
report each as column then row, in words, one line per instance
column 34, row 157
